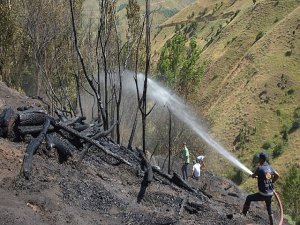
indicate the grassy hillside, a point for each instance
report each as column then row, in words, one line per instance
column 161, row 10
column 251, row 87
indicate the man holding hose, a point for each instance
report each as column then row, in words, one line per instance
column 266, row 176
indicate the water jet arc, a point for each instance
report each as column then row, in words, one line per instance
column 184, row 113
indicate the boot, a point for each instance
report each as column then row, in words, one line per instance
column 245, row 209
column 271, row 218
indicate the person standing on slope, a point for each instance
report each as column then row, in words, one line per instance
column 185, row 155
column 197, row 167
column 266, row 176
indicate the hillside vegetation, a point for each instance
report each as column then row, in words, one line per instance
column 162, row 10
column 251, row 88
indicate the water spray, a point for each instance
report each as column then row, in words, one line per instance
column 184, row 113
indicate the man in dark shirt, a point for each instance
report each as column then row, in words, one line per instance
column 266, row 176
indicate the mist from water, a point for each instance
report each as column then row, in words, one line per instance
column 184, row 113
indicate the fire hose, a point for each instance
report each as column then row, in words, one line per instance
column 280, row 206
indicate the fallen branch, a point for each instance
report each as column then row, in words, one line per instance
column 91, row 141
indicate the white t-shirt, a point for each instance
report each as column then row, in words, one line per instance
column 196, row 170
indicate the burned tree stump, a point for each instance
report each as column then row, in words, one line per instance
column 148, row 176
column 8, row 120
column 32, row 147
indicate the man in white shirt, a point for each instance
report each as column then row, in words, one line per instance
column 197, row 167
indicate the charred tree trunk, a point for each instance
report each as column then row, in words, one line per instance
column 32, row 147
column 148, row 176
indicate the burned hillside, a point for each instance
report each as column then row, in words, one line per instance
column 75, row 178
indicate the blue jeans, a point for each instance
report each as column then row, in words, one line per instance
column 184, row 170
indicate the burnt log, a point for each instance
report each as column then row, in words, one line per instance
column 32, row 118
column 64, row 147
column 91, row 141
column 176, row 179
column 104, row 133
column 33, row 130
column 31, row 109
column 23, row 108
column 8, row 121
column 75, row 120
column 32, row 147
column 61, row 116
column 80, row 127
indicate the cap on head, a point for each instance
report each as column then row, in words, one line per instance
column 263, row 156
column 184, row 143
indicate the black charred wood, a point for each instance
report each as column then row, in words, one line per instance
column 81, row 127
column 6, row 116
column 33, row 130
column 148, row 175
column 61, row 116
column 8, row 123
column 64, row 148
column 78, row 120
column 91, row 141
column 162, row 174
column 23, row 108
column 104, row 133
column 32, row 148
column 190, row 209
column 32, row 118
column 176, row 179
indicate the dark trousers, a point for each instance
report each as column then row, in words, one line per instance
column 258, row 197
column 184, row 170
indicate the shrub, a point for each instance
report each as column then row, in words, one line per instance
column 296, row 120
column 291, row 193
column 266, row 145
column 288, row 53
column 259, row 36
column 290, row 91
column 278, row 150
column 284, row 133
column 278, row 112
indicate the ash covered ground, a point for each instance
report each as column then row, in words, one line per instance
column 102, row 190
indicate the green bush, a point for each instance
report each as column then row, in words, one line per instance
column 284, row 133
column 278, row 112
column 290, row 91
column 259, row 36
column 291, row 193
column 278, row 150
column 266, row 145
